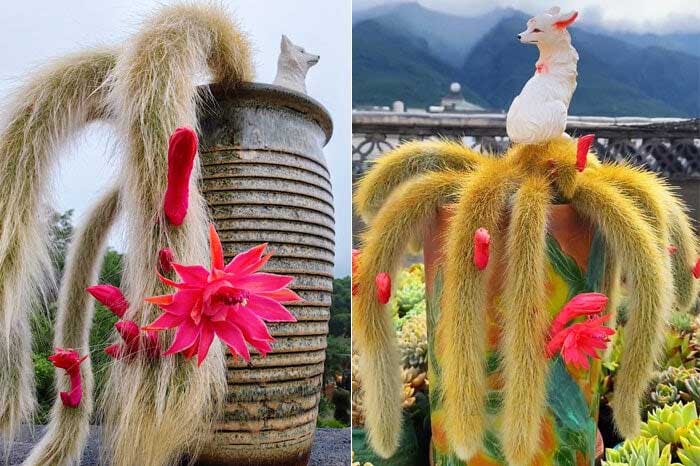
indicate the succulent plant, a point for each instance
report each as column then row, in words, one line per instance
column 681, row 348
column 682, row 322
column 414, row 380
column 665, row 395
column 689, row 453
column 413, row 342
column 410, row 293
column 669, row 423
column 639, row 451
column 358, row 412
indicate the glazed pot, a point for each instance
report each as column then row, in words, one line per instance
column 569, row 433
column 265, row 179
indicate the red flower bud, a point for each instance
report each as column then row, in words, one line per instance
column 696, row 269
column 482, row 239
column 383, row 282
column 584, row 143
column 165, row 260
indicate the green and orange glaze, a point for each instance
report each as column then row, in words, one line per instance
column 568, row 430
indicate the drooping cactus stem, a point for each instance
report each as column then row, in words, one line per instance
column 182, row 149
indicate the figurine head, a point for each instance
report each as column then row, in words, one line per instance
column 293, row 64
column 548, row 27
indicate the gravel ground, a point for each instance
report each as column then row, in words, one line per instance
column 331, row 447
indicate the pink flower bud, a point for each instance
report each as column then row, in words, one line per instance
column 165, row 260
column 672, row 249
column 696, row 269
column 70, row 360
column 182, row 149
column 482, row 239
column 111, row 297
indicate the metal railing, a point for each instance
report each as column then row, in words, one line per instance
column 667, row 146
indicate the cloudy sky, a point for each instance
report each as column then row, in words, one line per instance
column 652, row 16
column 33, row 31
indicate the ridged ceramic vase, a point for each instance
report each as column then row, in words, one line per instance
column 265, row 179
column 568, row 429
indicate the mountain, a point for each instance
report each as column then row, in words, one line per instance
column 615, row 78
column 448, row 37
column 680, row 42
column 388, row 65
column 394, row 60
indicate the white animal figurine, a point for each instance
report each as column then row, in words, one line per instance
column 539, row 112
column 293, row 64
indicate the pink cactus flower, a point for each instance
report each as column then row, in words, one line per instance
column 383, row 282
column 583, row 304
column 111, row 297
column 182, row 149
column 70, row 360
column 583, row 145
column 696, row 269
column 231, row 301
column 482, row 239
column 165, row 260
column 580, row 341
column 672, row 249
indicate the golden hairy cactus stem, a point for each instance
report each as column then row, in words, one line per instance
column 461, row 330
column 632, row 240
column 68, row 429
column 525, row 311
column 409, row 208
column 408, row 160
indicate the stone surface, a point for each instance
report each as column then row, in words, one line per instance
column 331, row 447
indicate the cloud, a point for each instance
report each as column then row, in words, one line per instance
column 621, row 15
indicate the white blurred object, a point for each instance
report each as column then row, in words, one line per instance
column 293, row 64
column 539, row 112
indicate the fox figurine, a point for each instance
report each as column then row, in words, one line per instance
column 293, row 64
column 539, row 112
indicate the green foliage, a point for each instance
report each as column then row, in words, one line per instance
column 639, row 452
column 339, row 325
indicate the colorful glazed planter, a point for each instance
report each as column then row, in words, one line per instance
column 568, row 432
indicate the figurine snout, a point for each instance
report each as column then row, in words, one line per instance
column 519, row 37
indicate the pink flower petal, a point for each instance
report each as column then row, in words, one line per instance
column 164, row 321
column 284, row 295
column 206, row 336
column 111, row 297
column 191, row 275
column 183, row 302
column 252, row 326
column 232, row 336
column 160, row 300
column 186, row 334
column 262, row 282
column 217, row 252
column 269, row 309
column 696, row 269
column 247, row 261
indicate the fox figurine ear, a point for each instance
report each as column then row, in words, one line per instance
column 285, row 42
column 566, row 20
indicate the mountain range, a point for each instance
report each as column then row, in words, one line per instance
column 411, row 53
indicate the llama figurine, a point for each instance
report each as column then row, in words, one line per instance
column 539, row 113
